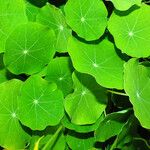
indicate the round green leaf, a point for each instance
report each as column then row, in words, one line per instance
column 60, row 71
column 80, row 141
column 99, row 60
column 29, row 48
column 41, row 104
column 125, row 4
column 137, row 86
column 88, row 101
column 54, row 18
column 12, row 136
column 12, row 13
column 131, row 31
column 87, row 18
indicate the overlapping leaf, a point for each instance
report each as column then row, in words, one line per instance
column 29, row 48
column 54, row 18
column 137, row 85
column 78, row 141
column 131, row 31
column 81, row 128
column 41, row 104
column 12, row 13
column 31, row 11
column 88, row 101
column 12, row 136
column 125, row 4
column 60, row 71
column 111, row 125
column 99, row 60
column 87, row 18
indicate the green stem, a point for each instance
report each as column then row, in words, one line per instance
column 118, row 93
column 114, row 144
column 136, row 138
column 52, row 140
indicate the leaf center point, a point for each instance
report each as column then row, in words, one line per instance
column 82, row 19
column 131, row 33
column 35, row 101
column 61, row 27
column 13, row 115
column 25, row 51
column 95, row 65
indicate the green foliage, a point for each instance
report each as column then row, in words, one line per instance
column 98, row 60
column 88, row 19
column 10, row 128
column 125, row 5
column 60, row 71
column 54, row 19
column 137, row 85
column 88, row 101
column 10, row 19
column 39, row 99
column 26, row 45
column 74, row 74
column 131, row 31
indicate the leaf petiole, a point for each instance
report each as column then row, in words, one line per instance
column 117, row 93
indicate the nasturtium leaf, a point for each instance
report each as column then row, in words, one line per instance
column 123, row 5
column 29, row 48
column 81, row 141
column 99, row 60
column 31, row 11
column 111, row 125
column 139, row 143
column 137, row 87
column 43, row 72
column 60, row 71
column 131, row 31
column 12, row 136
column 12, row 13
column 3, row 75
column 41, row 103
column 87, row 18
column 3, row 72
column 127, row 133
column 81, row 128
column 53, row 17
column 86, row 104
